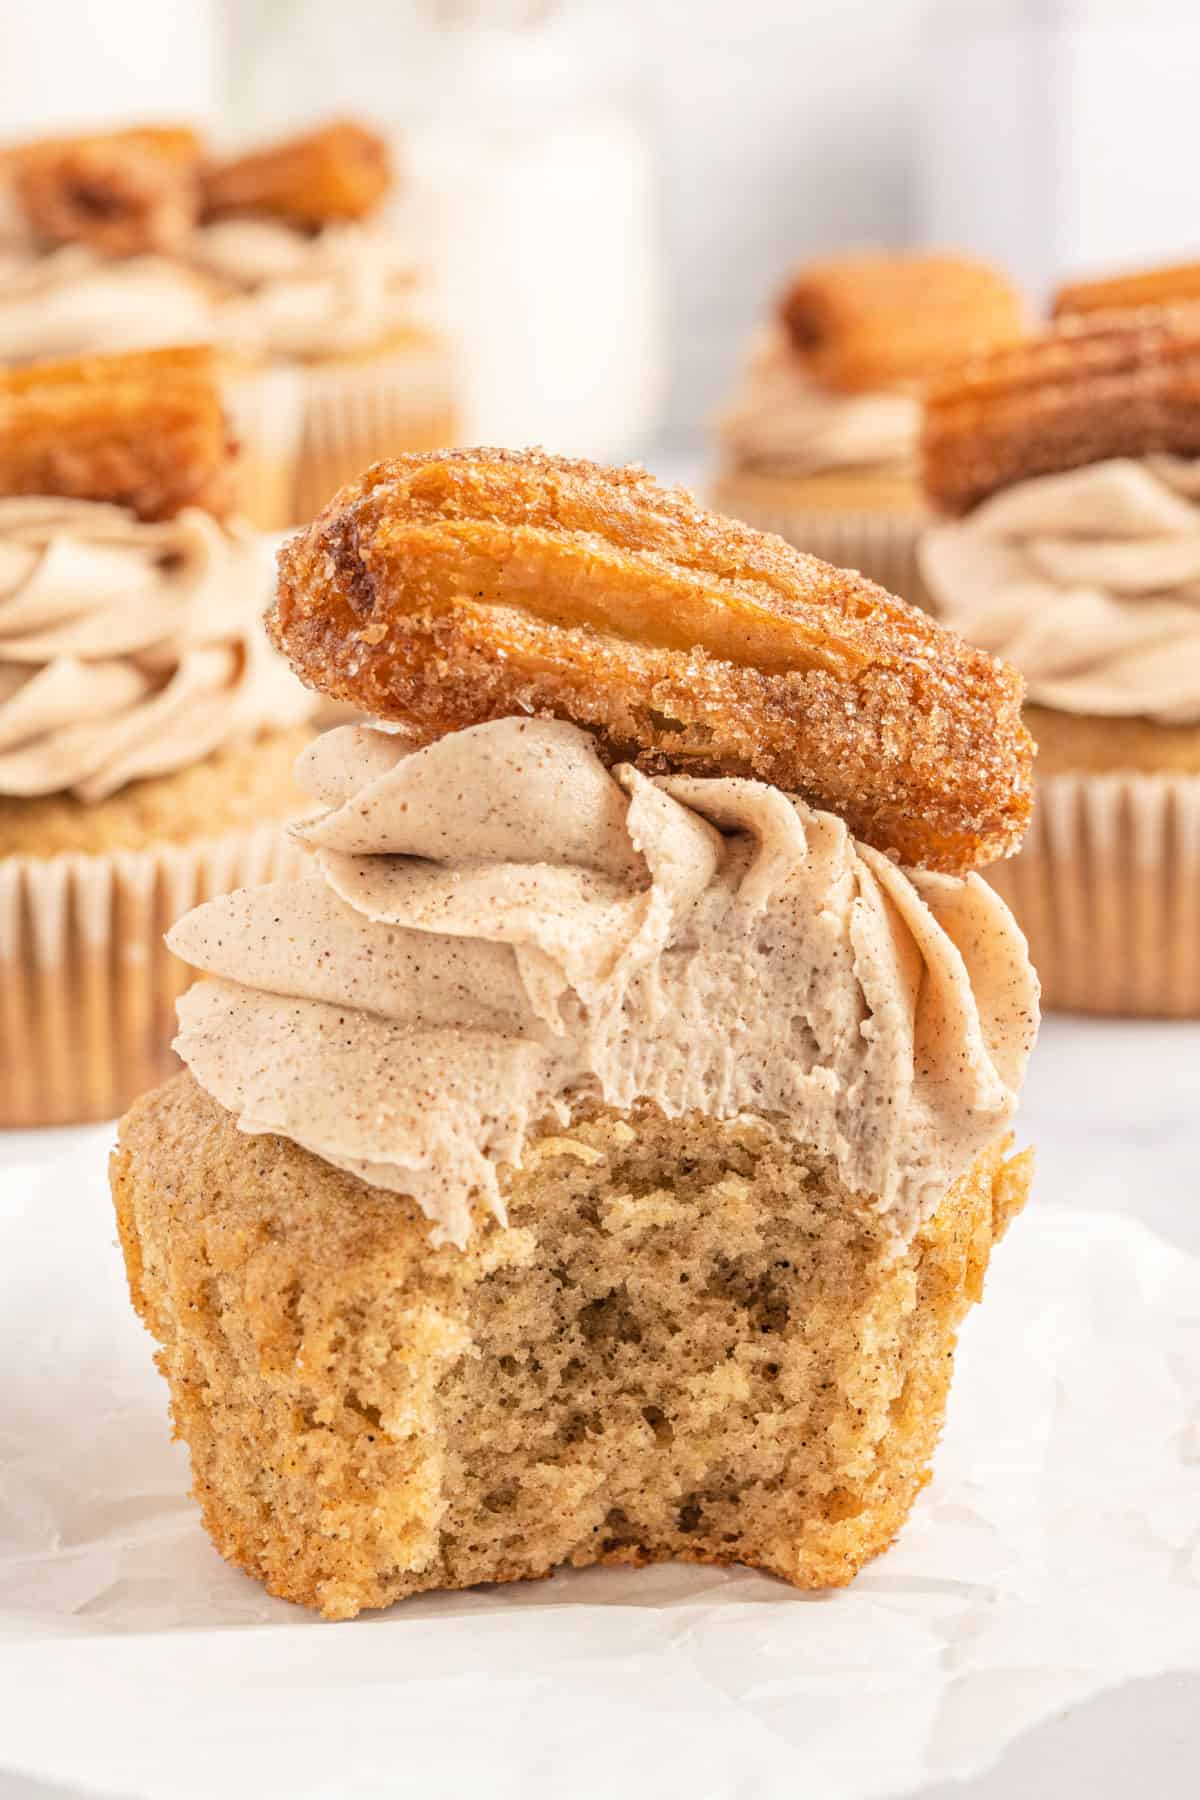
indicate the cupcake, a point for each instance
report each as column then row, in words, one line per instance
column 820, row 442
column 1070, row 471
column 324, row 289
column 590, row 1156
column 132, row 239
column 96, row 237
column 147, row 728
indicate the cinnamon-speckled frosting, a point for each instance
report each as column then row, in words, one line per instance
column 497, row 927
column 129, row 649
column 72, row 302
column 781, row 421
column 343, row 289
column 1089, row 582
column 253, row 287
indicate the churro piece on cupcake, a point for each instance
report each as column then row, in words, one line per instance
column 119, row 192
column 1113, row 385
column 448, row 589
column 878, row 320
column 144, row 430
column 1176, row 283
column 339, row 172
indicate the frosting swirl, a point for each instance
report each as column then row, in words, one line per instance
column 497, row 927
column 347, row 288
column 1088, row 581
column 129, row 649
column 783, row 421
column 253, row 287
column 73, row 302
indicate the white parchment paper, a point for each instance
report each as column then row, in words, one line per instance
column 1056, row 1553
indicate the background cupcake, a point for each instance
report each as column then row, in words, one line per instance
column 1073, row 464
column 322, row 287
column 133, row 238
column 147, row 729
column 820, row 440
column 95, row 256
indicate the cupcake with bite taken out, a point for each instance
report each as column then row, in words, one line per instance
column 589, row 1156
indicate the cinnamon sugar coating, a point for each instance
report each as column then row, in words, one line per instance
column 1123, row 293
column 121, row 192
column 446, row 589
column 341, row 171
column 1116, row 384
column 879, row 320
column 144, row 429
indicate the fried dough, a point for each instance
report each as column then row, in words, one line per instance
column 144, row 430
column 445, row 589
column 875, row 320
column 1179, row 282
column 119, row 192
column 1114, row 384
column 339, row 172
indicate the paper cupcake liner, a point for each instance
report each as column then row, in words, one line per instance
column 357, row 412
column 87, row 986
column 881, row 546
column 1107, row 890
column 266, row 410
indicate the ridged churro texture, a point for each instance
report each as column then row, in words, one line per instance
column 691, row 1342
column 875, row 320
column 341, row 171
column 1117, row 384
column 446, row 589
column 144, row 430
column 121, row 192
column 1176, row 283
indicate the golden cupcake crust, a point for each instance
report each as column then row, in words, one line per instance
column 144, row 429
column 120, row 192
column 233, row 787
column 879, row 320
column 342, row 171
column 1085, row 742
column 837, row 493
column 1116, row 384
column 447, row 589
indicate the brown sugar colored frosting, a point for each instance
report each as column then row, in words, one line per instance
column 1089, row 582
column 128, row 649
column 498, row 927
column 290, row 293
column 783, row 419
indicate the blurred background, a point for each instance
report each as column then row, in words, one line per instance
column 608, row 194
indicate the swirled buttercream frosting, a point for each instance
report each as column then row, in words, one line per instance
column 253, row 287
column 129, row 649
column 497, row 929
column 1089, row 582
column 782, row 421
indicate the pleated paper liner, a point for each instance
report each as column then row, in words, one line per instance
column 881, row 545
column 1107, row 890
column 266, row 411
column 359, row 410
column 87, row 986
